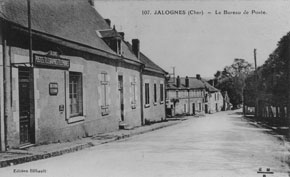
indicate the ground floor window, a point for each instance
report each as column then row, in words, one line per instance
column 147, row 96
column 161, row 93
column 155, row 93
column 75, row 94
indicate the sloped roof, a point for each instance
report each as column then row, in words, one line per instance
column 209, row 87
column 145, row 60
column 73, row 20
column 194, row 83
column 149, row 63
column 127, row 52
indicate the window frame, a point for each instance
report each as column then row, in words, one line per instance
column 161, row 93
column 79, row 96
column 104, row 96
column 147, row 95
column 155, row 94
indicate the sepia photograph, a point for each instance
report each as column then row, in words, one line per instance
column 144, row 88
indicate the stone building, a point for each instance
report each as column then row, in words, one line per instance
column 214, row 100
column 192, row 96
column 78, row 78
column 185, row 96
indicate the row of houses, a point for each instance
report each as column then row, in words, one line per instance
column 194, row 96
column 71, row 74
column 67, row 73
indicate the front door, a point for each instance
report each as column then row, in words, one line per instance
column 25, row 106
column 206, row 108
column 121, row 90
column 193, row 108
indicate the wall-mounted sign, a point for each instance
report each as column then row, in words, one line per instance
column 61, row 108
column 53, row 88
column 51, row 61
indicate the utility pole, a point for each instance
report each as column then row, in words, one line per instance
column 6, row 87
column 29, row 31
column 256, row 86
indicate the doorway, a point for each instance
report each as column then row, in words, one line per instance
column 121, row 90
column 193, row 108
column 206, row 108
column 26, row 108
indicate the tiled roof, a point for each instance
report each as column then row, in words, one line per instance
column 210, row 88
column 146, row 61
column 194, row 83
column 149, row 63
column 73, row 20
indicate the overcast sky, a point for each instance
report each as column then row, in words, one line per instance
column 200, row 44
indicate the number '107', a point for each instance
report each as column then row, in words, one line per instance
column 145, row 12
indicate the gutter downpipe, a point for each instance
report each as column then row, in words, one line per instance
column 142, row 66
column 6, row 88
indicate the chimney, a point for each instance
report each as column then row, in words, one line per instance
column 136, row 47
column 92, row 2
column 198, row 76
column 186, row 81
column 108, row 21
column 178, row 81
column 122, row 34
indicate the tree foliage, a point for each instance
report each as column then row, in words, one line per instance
column 232, row 79
column 271, row 77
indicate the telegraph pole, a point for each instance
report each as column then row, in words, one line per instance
column 256, row 86
column 29, row 31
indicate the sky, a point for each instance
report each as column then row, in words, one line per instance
column 200, row 44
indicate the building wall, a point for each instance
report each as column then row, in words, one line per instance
column 53, row 125
column 186, row 101
column 154, row 111
column 215, row 102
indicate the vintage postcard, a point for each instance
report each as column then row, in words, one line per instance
column 176, row 88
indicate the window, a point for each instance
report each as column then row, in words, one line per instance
column 147, row 102
column 104, row 88
column 161, row 94
column 75, row 94
column 155, row 94
column 134, row 96
column 200, row 107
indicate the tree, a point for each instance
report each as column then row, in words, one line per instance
column 232, row 80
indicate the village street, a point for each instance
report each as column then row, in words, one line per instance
column 218, row 145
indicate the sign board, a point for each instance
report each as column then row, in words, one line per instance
column 53, row 88
column 50, row 61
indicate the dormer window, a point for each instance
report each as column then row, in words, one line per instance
column 112, row 38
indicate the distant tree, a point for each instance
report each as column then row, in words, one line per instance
column 232, row 80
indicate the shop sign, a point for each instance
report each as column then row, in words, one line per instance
column 53, row 88
column 50, row 61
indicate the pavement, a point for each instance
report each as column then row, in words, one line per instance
column 17, row 156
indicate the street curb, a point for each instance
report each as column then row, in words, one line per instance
column 39, row 156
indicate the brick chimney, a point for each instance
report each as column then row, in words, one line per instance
column 186, row 81
column 198, row 76
column 92, row 2
column 136, row 47
column 108, row 21
column 178, row 81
